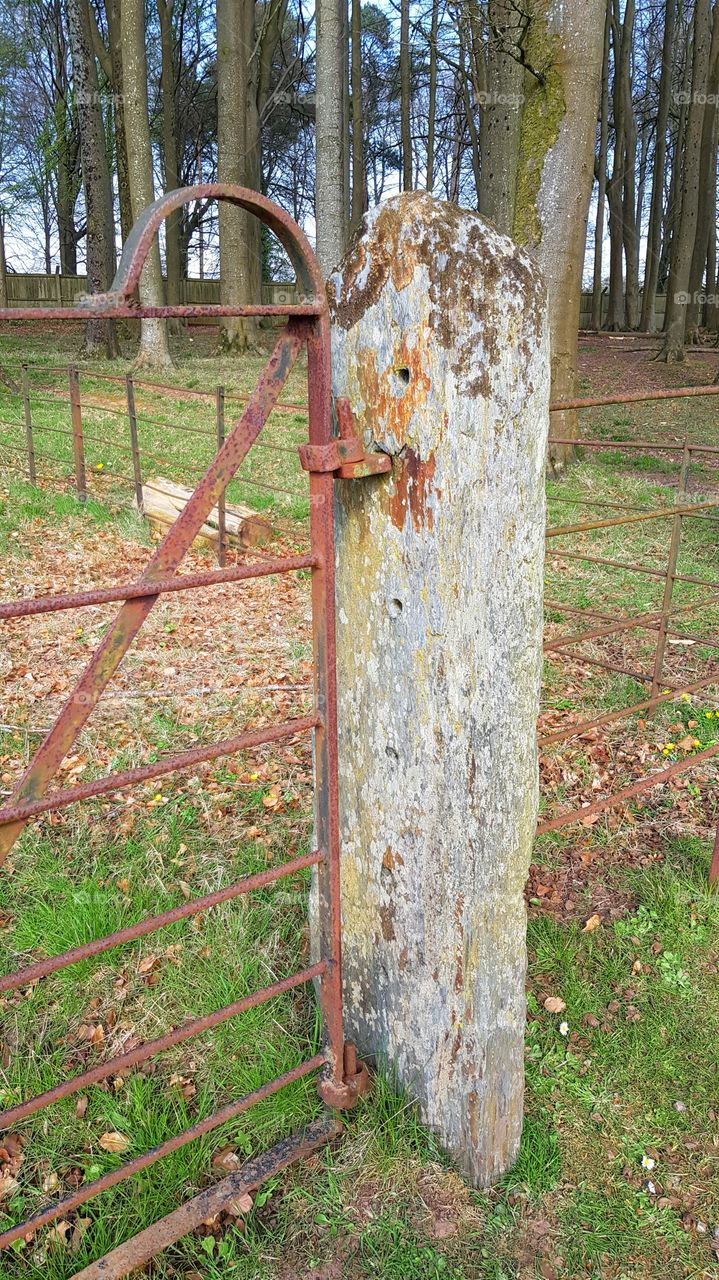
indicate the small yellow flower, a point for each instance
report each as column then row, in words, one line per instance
column 669, row 746
column 685, row 697
column 708, row 715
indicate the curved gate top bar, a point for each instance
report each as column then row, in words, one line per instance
column 118, row 301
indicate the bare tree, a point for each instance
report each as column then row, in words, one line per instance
column 556, row 179
column 405, row 96
column 154, row 349
column 502, row 113
column 601, row 179
column 683, row 245
column 329, row 136
column 99, row 334
column 654, row 230
column 170, row 157
column 359, row 177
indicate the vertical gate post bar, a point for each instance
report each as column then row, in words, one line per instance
column 27, row 412
column 672, row 561
column 77, row 441
column 132, row 420
column 220, row 411
column 319, row 408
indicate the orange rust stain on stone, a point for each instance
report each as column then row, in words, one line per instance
column 386, row 915
column 414, row 482
column 473, row 1116
column 403, row 960
column 458, row 973
column 392, row 859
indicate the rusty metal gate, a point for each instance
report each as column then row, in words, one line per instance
column 325, row 456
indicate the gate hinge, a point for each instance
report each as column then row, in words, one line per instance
column 344, row 456
column 355, row 1082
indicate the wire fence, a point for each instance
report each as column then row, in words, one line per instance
column 641, row 646
column 100, row 442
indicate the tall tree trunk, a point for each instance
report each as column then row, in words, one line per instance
column 346, row 151
column 706, row 210
column 469, row 114
column 555, row 178
column 359, row 178
column 99, row 334
column 263, row 44
column 654, row 231
column 236, row 334
column 616, row 310
column 711, row 317
column 678, row 296
column 601, row 180
column 629, row 196
column 405, row 95
column 154, row 349
column 3, row 265
column 329, row 136
column 674, row 204
column 169, row 149
column 432, row 105
column 114, row 31
column 502, row 115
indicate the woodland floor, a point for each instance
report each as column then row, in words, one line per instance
column 621, row 926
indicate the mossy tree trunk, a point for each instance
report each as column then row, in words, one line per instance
column 556, row 170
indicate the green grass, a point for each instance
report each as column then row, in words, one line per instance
column 642, row 1011
column 177, row 430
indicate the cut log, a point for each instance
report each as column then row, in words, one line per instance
column 163, row 500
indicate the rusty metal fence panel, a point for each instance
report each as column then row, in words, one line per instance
column 341, row 1078
column 568, row 644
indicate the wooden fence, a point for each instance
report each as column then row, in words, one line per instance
column 27, row 289
column 585, row 310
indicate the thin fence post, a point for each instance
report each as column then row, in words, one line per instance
column 78, row 447
column 670, row 577
column 132, row 419
column 220, row 407
column 27, row 411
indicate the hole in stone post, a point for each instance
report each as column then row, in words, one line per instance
column 394, row 607
column 392, row 753
column 400, row 379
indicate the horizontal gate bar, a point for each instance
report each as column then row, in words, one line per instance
column 135, row 590
column 43, row 968
column 131, row 1167
column 626, row 793
column 614, row 667
column 126, row 1061
column 183, row 760
column 583, row 726
column 631, row 397
column 633, row 568
column 209, row 1203
column 556, row 530
column 625, row 624
column 189, row 311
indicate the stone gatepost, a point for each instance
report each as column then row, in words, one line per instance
column 440, row 343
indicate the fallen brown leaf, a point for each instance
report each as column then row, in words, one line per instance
column 114, row 1142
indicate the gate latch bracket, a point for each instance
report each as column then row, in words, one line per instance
column 344, row 456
